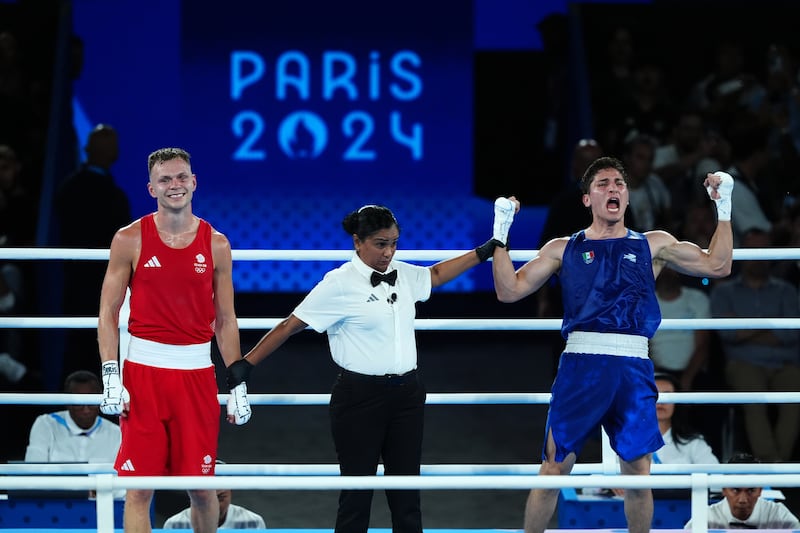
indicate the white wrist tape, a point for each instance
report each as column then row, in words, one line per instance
column 503, row 217
column 725, row 191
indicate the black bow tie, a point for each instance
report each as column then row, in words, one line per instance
column 741, row 525
column 389, row 278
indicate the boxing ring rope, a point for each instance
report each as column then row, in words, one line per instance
column 441, row 324
column 104, row 484
column 450, row 398
column 698, row 478
column 344, row 255
column 299, row 470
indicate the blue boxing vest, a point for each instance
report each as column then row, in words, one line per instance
column 608, row 286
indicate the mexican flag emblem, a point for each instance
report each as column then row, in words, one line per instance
column 588, row 257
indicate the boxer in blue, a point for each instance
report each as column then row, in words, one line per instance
column 605, row 377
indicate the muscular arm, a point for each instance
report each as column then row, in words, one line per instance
column 688, row 258
column 511, row 285
column 445, row 271
column 226, row 328
column 125, row 248
column 274, row 338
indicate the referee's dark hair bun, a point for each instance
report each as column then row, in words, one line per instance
column 369, row 219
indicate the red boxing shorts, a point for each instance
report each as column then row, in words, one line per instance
column 173, row 424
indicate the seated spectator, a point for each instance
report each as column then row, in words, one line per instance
column 17, row 224
column 683, row 163
column 755, row 195
column 682, row 445
column 647, row 109
column 729, row 87
column 230, row 516
column 759, row 360
column 77, row 434
column 681, row 352
column 18, row 205
column 649, row 199
column 743, row 508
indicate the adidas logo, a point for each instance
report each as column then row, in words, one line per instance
column 127, row 466
column 372, row 298
column 152, row 263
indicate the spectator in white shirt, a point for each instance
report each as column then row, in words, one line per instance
column 743, row 508
column 77, row 434
column 683, row 353
column 650, row 201
column 230, row 516
column 681, row 444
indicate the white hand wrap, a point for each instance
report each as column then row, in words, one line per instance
column 503, row 217
column 238, row 405
column 115, row 396
column 725, row 191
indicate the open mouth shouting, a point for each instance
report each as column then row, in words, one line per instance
column 613, row 205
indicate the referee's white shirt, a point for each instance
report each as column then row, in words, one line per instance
column 370, row 329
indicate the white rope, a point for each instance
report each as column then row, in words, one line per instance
column 443, row 324
column 444, row 482
column 105, row 484
column 667, row 481
column 435, row 398
column 266, row 469
column 344, row 255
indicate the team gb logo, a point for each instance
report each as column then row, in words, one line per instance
column 200, row 265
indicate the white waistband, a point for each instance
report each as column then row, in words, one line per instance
column 151, row 353
column 607, row 344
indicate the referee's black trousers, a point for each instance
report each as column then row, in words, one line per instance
column 374, row 417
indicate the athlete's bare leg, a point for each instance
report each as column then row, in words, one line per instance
column 137, row 511
column 638, row 502
column 542, row 502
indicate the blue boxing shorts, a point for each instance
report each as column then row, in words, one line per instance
column 612, row 391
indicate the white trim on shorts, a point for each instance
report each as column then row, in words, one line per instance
column 590, row 342
column 176, row 357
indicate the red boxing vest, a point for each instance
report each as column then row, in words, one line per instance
column 172, row 290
